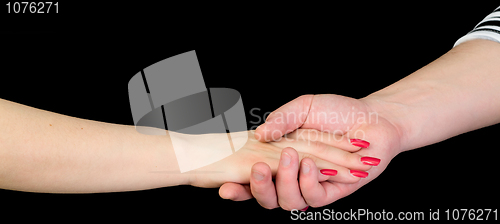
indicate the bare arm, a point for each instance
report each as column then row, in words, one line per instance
column 457, row 93
column 48, row 152
column 41, row 151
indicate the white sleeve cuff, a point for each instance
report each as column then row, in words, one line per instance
column 488, row 29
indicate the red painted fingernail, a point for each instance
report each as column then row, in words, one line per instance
column 328, row 172
column 304, row 209
column 358, row 173
column 370, row 161
column 359, row 143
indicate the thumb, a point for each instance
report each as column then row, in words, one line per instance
column 285, row 119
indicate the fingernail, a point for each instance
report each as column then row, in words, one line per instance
column 305, row 168
column 370, row 161
column 358, row 173
column 359, row 143
column 257, row 175
column 304, row 209
column 328, row 172
column 285, row 159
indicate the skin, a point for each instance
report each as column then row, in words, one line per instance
column 42, row 151
column 454, row 94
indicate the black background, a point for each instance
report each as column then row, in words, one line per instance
column 78, row 63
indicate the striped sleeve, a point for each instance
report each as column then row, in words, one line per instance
column 488, row 28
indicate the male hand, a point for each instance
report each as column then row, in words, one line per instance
column 361, row 123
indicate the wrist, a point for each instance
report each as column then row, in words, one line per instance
column 156, row 153
column 395, row 113
column 414, row 106
column 200, row 157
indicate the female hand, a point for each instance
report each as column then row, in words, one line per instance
column 328, row 114
column 236, row 168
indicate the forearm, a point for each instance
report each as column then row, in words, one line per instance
column 456, row 93
column 43, row 151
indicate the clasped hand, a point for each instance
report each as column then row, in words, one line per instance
column 324, row 158
column 334, row 160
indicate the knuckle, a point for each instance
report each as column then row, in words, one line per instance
column 266, row 206
column 289, row 207
column 353, row 159
column 315, row 203
column 291, row 204
column 283, row 205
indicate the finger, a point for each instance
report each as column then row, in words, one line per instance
column 332, row 172
column 331, row 154
column 332, row 193
column 336, row 140
column 262, row 186
column 335, row 191
column 383, row 142
column 287, row 185
column 311, row 189
column 285, row 119
column 317, row 193
column 235, row 191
